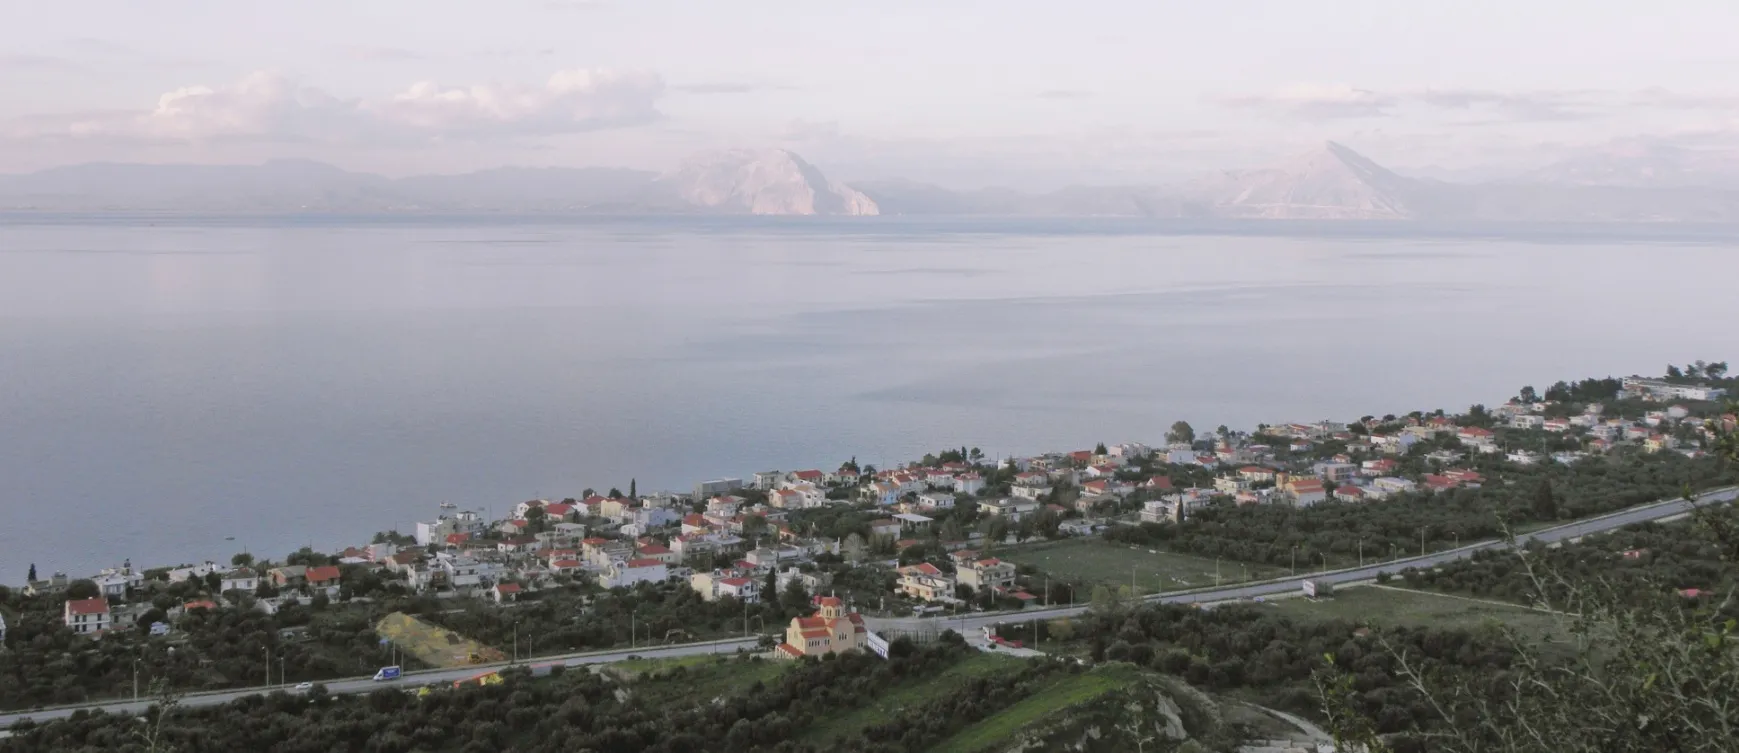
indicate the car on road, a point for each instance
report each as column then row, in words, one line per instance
column 304, row 687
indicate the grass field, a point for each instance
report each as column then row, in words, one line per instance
column 910, row 694
column 1405, row 607
column 1091, row 561
column 686, row 681
column 1069, row 690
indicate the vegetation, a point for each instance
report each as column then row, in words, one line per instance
column 1339, row 533
column 1649, row 669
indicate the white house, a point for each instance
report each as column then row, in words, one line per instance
column 1523, row 457
column 1393, row 485
column 197, row 572
column 629, row 572
column 87, row 616
column 240, row 579
column 968, row 484
column 1012, row 509
column 884, row 493
column 936, row 500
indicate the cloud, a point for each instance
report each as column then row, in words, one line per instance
column 805, row 130
column 570, row 101
column 373, row 54
column 1064, row 94
column 1535, row 106
column 728, row 87
column 1475, row 106
column 268, row 107
column 1318, row 102
column 19, row 61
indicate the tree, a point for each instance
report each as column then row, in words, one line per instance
column 241, row 559
column 32, row 573
column 633, row 488
column 754, row 526
column 1545, row 503
column 1673, row 372
column 1103, row 600
column 588, row 492
column 976, row 456
column 83, row 588
column 1181, row 433
column 853, row 548
column 1099, row 449
column 535, row 517
column 213, row 581
column 615, row 493
column 1716, row 370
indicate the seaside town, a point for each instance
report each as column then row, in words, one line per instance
column 812, row 556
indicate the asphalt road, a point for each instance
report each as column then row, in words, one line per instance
column 409, row 681
column 960, row 624
column 1291, row 585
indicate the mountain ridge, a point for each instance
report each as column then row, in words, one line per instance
column 1329, row 182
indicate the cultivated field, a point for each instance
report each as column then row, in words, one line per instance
column 1092, row 561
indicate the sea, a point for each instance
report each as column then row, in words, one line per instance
column 181, row 388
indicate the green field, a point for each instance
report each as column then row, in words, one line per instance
column 1068, row 690
column 1405, row 607
column 908, row 695
column 1091, row 561
column 686, row 680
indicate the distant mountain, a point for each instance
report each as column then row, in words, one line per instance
column 1329, row 183
column 740, row 182
column 1641, row 163
column 772, row 181
column 1634, row 183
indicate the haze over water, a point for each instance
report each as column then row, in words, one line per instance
column 166, row 383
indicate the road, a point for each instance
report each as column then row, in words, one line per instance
column 1290, row 585
column 411, row 680
column 965, row 624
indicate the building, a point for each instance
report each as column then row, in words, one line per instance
column 926, row 582
column 936, row 501
column 1162, row 511
column 706, row 489
column 1655, row 389
column 625, row 573
column 990, row 573
column 968, row 483
column 87, row 616
column 288, row 576
column 239, row 579
column 1011, row 509
column 1306, row 491
column 324, row 576
column 831, row 629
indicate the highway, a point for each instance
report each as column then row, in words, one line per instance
column 410, row 681
column 964, row 624
column 1294, row 584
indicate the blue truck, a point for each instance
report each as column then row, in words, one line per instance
column 388, row 673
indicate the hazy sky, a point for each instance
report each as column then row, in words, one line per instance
column 961, row 91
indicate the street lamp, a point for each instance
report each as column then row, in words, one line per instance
column 1294, row 559
column 135, row 679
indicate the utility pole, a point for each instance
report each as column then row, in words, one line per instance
column 1421, row 541
column 631, row 628
column 268, row 650
column 515, row 642
column 135, row 680
column 1294, row 559
column 1216, row 572
column 283, row 676
column 1361, row 552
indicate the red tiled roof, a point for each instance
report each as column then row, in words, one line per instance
column 809, row 623
column 924, row 568
column 94, row 605
column 565, row 564
column 594, row 541
column 202, row 604
column 643, row 563
column 735, row 582
column 654, row 549
column 790, row 650
column 558, row 510
column 508, row 588
column 809, row 475
column 829, row 601
column 322, row 573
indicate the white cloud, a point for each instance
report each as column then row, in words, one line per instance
column 571, row 101
column 1317, row 101
column 269, row 107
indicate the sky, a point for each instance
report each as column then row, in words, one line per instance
column 964, row 93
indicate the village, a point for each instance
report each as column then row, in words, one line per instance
column 938, row 535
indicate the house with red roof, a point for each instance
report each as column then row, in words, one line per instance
column 323, row 576
column 926, row 582
column 627, row 573
column 986, row 573
column 831, row 629
column 87, row 616
column 504, row 592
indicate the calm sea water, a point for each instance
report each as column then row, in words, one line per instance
column 166, row 384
